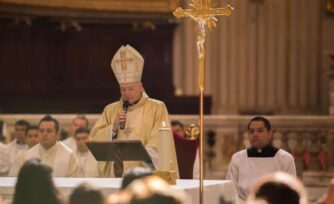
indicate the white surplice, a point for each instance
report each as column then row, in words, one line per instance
column 70, row 143
column 15, row 149
column 59, row 157
column 4, row 160
column 88, row 164
column 244, row 171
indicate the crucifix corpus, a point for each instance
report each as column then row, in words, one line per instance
column 205, row 17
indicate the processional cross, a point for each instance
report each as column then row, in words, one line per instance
column 205, row 17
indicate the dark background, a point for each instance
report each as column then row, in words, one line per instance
column 46, row 70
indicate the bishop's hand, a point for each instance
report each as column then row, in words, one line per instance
column 121, row 117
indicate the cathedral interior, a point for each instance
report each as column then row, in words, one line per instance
column 270, row 57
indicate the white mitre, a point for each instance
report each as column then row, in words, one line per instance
column 127, row 65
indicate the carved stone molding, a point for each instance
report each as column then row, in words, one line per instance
column 330, row 6
column 330, row 74
column 156, row 6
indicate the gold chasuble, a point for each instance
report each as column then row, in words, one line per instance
column 143, row 121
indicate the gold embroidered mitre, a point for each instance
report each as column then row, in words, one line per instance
column 127, row 65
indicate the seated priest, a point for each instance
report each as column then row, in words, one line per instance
column 87, row 162
column 80, row 121
column 32, row 138
column 248, row 165
column 18, row 144
column 4, row 160
column 135, row 116
column 52, row 153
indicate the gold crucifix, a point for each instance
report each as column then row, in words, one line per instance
column 124, row 60
column 205, row 17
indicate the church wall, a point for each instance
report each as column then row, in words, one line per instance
column 45, row 69
column 267, row 57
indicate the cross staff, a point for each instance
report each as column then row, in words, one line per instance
column 208, row 12
column 205, row 16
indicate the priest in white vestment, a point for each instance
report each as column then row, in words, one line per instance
column 248, row 165
column 4, row 160
column 144, row 115
column 32, row 138
column 87, row 162
column 79, row 121
column 18, row 145
column 52, row 153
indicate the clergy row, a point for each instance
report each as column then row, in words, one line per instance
column 68, row 158
column 136, row 116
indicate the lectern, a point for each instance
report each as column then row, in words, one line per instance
column 119, row 151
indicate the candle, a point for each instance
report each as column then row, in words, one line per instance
column 164, row 147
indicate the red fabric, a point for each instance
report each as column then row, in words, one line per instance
column 186, row 153
column 322, row 158
column 306, row 159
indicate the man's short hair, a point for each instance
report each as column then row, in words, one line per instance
column 276, row 193
column 86, row 194
column 177, row 122
column 35, row 185
column 31, row 127
column 152, row 190
column 22, row 123
column 82, row 130
column 278, row 188
column 265, row 121
column 49, row 118
column 82, row 117
column 133, row 174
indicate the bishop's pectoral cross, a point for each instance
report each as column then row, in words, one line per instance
column 205, row 16
column 127, row 132
column 124, row 60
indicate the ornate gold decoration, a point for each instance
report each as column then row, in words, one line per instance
column 205, row 16
column 192, row 132
column 330, row 6
column 169, row 176
column 156, row 6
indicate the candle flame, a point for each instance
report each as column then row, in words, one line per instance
column 163, row 124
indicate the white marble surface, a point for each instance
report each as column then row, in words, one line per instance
column 213, row 189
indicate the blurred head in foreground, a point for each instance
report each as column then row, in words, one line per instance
column 86, row 193
column 148, row 190
column 133, row 174
column 278, row 188
column 35, row 185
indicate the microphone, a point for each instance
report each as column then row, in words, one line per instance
column 126, row 105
